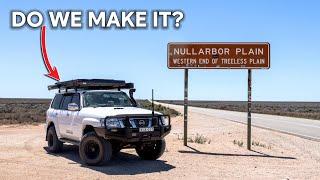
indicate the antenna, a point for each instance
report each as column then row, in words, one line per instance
column 152, row 104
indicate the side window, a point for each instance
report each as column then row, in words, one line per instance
column 76, row 99
column 57, row 101
column 66, row 100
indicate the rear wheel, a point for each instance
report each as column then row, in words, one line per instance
column 94, row 150
column 151, row 150
column 54, row 144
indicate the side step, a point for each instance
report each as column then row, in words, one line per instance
column 70, row 141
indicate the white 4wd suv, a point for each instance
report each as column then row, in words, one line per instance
column 103, row 121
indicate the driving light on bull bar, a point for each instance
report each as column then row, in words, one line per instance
column 165, row 120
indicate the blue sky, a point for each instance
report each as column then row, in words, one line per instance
column 291, row 27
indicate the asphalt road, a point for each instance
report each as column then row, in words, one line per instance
column 305, row 128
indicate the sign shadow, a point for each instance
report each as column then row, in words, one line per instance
column 259, row 154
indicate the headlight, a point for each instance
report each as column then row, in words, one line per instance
column 165, row 120
column 112, row 122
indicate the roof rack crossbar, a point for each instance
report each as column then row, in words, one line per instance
column 91, row 84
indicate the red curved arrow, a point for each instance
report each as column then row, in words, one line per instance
column 52, row 71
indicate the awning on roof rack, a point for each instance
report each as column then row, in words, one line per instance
column 92, row 84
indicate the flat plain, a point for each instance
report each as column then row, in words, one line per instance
column 216, row 150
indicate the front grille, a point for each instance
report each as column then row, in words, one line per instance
column 142, row 122
column 139, row 122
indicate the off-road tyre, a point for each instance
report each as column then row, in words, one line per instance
column 151, row 150
column 116, row 148
column 54, row 144
column 95, row 150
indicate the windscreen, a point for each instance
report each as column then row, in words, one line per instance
column 106, row 99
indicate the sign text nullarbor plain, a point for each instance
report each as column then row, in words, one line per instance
column 217, row 51
column 219, row 55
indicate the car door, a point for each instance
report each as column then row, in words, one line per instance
column 76, row 121
column 64, row 119
column 54, row 112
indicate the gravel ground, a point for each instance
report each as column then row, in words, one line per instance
column 278, row 156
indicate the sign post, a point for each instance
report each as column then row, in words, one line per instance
column 218, row 56
column 249, row 111
column 152, row 103
column 185, row 114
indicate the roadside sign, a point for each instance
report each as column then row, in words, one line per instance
column 219, row 55
column 244, row 55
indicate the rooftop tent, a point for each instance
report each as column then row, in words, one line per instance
column 92, row 84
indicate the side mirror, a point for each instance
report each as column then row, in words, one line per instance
column 73, row 107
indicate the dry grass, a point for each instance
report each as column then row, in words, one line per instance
column 237, row 142
column 198, row 138
column 259, row 144
column 23, row 111
column 165, row 110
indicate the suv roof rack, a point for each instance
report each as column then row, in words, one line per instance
column 92, row 84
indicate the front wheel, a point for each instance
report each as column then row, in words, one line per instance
column 94, row 150
column 151, row 150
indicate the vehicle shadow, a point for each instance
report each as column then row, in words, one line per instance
column 122, row 164
column 259, row 154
